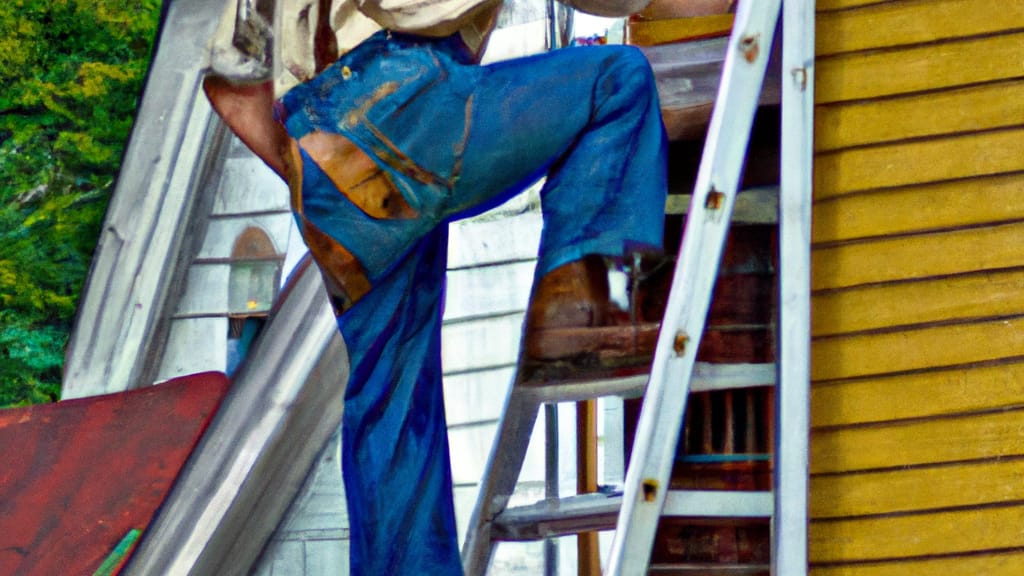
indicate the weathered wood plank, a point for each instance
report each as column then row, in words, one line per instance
column 921, row 349
column 912, row 22
column 918, row 256
column 924, row 208
column 919, row 161
column 984, row 107
column 973, row 296
column 859, row 75
column 935, row 441
column 919, row 395
column 995, row 563
column 913, row 535
column 917, row 489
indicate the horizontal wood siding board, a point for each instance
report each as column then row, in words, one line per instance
column 488, row 290
column 944, row 299
column 919, row 161
column 916, row 535
column 918, row 349
column 981, row 107
column 918, row 256
column 992, row 563
column 872, row 74
column 920, row 395
column 917, row 489
column 923, row 208
column 917, row 443
column 913, row 22
column 481, row 344
column 825, row 5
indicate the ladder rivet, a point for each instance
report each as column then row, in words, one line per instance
column 679, row 345
column 714, row 200
column 749, row 47
column 650, row 490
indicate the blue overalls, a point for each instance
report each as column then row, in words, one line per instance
column 457, row 139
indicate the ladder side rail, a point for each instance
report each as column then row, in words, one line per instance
column 718, row 179
column 504, row 464
column 789, row 524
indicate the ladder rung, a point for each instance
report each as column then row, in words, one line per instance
column 706, row 376
column 687, row 569
column 718, row 504
column 558, row 517
column 758, row 205
column 592, row 512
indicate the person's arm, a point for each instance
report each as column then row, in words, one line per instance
column 248, row 112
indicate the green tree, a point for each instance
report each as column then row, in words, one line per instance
column 71, row 72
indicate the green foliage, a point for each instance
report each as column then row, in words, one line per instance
column 71, row 72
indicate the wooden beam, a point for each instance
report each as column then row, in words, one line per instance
column 586, row 483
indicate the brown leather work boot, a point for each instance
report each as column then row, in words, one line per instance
column 571, row 321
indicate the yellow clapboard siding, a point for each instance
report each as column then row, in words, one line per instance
column 652, row 32
column 917, row 535
column 916, row 489
column 989, row 564
column 823, row 5
column 921, row 208
column 918, row 161
column 918, row 256
column 984, row 107
column 919, row 442
column 921, row 349
column 875, row 307
column 919, row 395
column 860, row 75
column 913, row 22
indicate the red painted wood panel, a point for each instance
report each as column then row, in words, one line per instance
column 78, row 475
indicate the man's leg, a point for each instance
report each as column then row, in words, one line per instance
column 591, row 118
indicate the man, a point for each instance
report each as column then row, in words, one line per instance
column 398, row 132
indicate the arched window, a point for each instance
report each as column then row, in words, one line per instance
column 255, row 274
column 252, row 287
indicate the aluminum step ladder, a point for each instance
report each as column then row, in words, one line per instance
column 674, row 371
